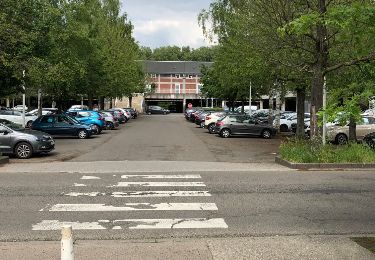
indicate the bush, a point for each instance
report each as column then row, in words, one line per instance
column 307, row 151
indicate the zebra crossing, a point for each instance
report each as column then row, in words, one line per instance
column 137, row 187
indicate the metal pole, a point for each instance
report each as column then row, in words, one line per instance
column 250, row 112
column 67, row 250
column 324, row 111
column 23, row 100
column 39, row 102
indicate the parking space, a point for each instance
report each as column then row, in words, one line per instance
column 160, row 137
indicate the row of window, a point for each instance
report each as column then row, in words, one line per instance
column 177, row 76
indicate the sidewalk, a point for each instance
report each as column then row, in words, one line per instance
column 139, row 166
column 291, row 248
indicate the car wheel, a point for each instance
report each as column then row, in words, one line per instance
column 211, row 128
column 266, row 134
column 148, row 113
column 95, row 129
column 28, row 124
column 225, row 133
column 111, row 126
column 23, row 150
column 164, row 113
column 284, row 128
column 341, row 139
column 82, row 134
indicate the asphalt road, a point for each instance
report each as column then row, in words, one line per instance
column 161, row 137
column 249, row 196
column 241, row 204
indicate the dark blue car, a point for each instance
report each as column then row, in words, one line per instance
column 61, row 125
column 89, row 117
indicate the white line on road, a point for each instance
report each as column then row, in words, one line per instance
column 56, row 225
column 142, row 194
column 192, row 176
column 134, row 224
column 79, row 185
column 90, row 178
column 159, row 184
column 132, row 207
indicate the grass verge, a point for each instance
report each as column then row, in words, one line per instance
column 306, row 151
column 366, row 242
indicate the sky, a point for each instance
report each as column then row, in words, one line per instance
column 166, row 22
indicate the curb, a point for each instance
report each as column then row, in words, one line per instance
column 4, row 160
column 306, row 166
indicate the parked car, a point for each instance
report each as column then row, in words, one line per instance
column 200, row 119
column 10, row 124
column 243, row 125
column 133, row 112
column 89, row 117
column 110, row 121
column 369, row 139
column 306, row 126
column 211, row 119
column 23, row 143
column 287, row 119
column 78, row 108
column 45, row 111
column 16, row 117
column 188, row 112
column 125, row 113
column 156, row 110
column 339, row 134
column 19, row 108
column 60, row 124
column 121, row 118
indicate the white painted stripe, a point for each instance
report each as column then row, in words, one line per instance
column 143, row 194
column 192, row 176
column 56, row 225
column 132, row 207
column 174, row 223
column 79, row 185
column 89, row 194
column 134, row 224
column 90, row 178
column 159, row 184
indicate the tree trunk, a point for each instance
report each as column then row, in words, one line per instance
column 40, row 102
column 352, row 130
column 90, row 101
column 130, row 101
column 270, row 108
column 301, row 96
column 321, row 53
column 101, row 103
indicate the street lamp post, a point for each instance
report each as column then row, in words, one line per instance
column 250, row 100
column 23, row 100
column 324, row 111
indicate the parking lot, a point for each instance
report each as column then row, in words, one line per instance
column 161, row 137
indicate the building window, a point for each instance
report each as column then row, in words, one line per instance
column 190, row 76
column 154, row 76
column 177, row 76
column 177, row 88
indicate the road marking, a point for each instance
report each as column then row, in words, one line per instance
column 79, row 185
column 134, row 224
column 193, row 176
column 142, row 194
column 131, row 207
column 88, row 194
column 56, row 225
column 159, row 184
column 90, row 178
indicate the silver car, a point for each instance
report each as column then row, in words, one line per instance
column 24, row 143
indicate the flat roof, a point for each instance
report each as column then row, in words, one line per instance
column 174, row 67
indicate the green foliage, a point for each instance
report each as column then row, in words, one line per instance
column 175, row 53
column 68, row 48
column 304, row 151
